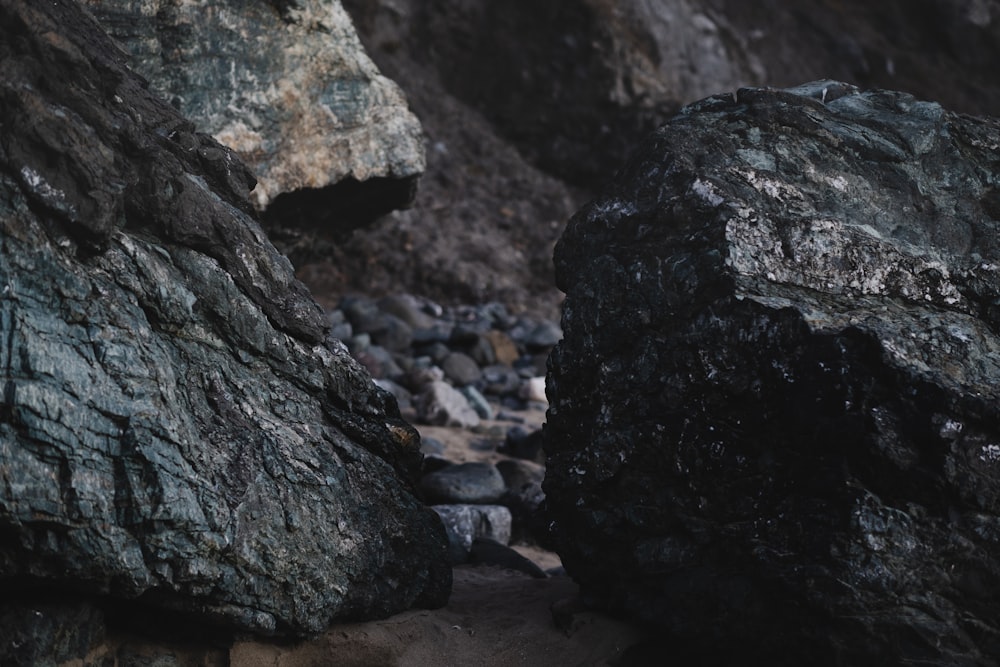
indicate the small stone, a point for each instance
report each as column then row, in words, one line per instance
column 433, row 463
column 420, row 363
column 524, row 485
column 545, row 335
column 538, row 361
column 474, row 483
column 500, row 380
column 478, row 402
column 422, row 375
column 379, row 362
column 527, row 367
column 441, row 404
column 430, row 445
column 342, row 331
column 497, row 315
column 513, row 403
column 439, row 332
column 403, row 397
column 525, row 501
column 437, row 351
column 363, row 314
column 340, row 328
column 465, row 523
column 482, row 351
column 405, row 362
column 335, row 317
column 407, row 309
column 396, row 335
column 359, row 343
column 461, row 369
column 504, row 348
column 464, row 334
column 533, row 390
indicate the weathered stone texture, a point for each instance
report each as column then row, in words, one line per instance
column 287, row 85
column 774, row 425
column 174, row 426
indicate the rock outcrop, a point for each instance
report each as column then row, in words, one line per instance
column 774, row 426
column 288, row 86
column 176, row 432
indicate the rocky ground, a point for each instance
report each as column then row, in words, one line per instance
column 471, row 379
column 495, row 618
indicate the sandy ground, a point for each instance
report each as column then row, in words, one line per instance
column 461, row 445
column 495, row 617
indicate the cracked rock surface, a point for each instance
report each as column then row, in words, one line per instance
column 176, row 430
column 773, row 426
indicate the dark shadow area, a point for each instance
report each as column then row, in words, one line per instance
column 339, row 209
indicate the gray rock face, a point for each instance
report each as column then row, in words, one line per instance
column 286, row 85
column 173, row 425
column 774, row 414
column 466, row 523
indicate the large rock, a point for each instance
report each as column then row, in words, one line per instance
column 289, row 87
column 775, row 414
column 174, row 427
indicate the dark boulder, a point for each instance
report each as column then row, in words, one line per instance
column 175, row 429
column 774, row 424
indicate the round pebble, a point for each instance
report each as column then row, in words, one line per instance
column 461, row 369
column 475, row 483
column 407, row 309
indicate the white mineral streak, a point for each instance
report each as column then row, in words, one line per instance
column 771, row 187
column 838, row 182
column 951, row 429
column 990, row 453
column 619, row 207
column 707, row 192
column 833, row 256
column 41, row 187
